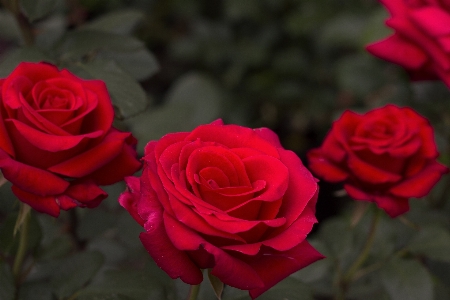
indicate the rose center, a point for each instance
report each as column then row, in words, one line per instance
column 377, row 130
column 54, row 102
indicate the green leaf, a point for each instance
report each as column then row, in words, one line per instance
column 36, row 291
column 9, row 29
column 68, row 275
column 432, row 242
column 13, row 58
column 7, row 288
column 112, row 250
column 216, row 284
column 126, row 93
column 191, row 101
column 140, row 64
column 50, row 31
column 337, row 237
column 120, row 21
column 149, row 283
column 289, row 288
column 94, row 222
column 37, row 9
column 406, row 279
column 59, row 247
column 79, row 43
column 74, row 272
column 8, row 242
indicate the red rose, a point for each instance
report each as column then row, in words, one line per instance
column 227, row 198
column 421, row 42
column 384, row 156
column 56, row 140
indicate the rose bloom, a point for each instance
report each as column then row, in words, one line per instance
column 421, row 42
column 386, row 156
column 227, row 198
column 57, row 143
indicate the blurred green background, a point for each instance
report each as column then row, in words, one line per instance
column 291, row 65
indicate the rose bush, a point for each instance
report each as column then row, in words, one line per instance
column 57, row 143
column 226, row 198
column 421, row 41
column 386, row 156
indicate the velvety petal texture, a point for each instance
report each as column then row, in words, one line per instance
column 421, row 39
column 226, row 198
column 57, row 143
column 386, row 156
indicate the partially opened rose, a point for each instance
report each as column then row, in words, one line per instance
column 421, row 39
column 386, row 156
column 57, row 143
column 225, row 198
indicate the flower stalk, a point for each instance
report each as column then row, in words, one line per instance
column 23, row 229
column 362, row 257
column 193, row 292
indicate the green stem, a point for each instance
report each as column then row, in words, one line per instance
column 23, row 244
column 367, row 246
column 193, row 292
column 361, row 259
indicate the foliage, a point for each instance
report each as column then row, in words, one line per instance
column 170, row 65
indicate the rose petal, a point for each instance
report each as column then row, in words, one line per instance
column 270, row 170
column 87, row 194
column 174, row 262
column 433, row 20
column 369, row 173
column 192, row 219
column 65, row 202
column 24, row 177
column 269, row 136
column 228, row 269
column 102, row 116
column 325, row 169
column 420, row 184
column 122, row 165
column 232, row 136
column 394, row 206
column 398, row 51
column 43, row 204
column 46, row 141
column 95, row 158
column 357, row 193
column 302, row 189
column 273, row 266
column 34, row 72
column 286, row 240
column 225, row 160
column 406, row 29
column 230, row 224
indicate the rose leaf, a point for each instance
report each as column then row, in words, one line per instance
column 406, row 279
